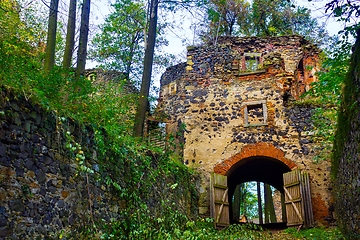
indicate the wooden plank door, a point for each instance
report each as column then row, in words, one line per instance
column 219, row 202
column 306, row 196
column 298, row 199
column 294, row 209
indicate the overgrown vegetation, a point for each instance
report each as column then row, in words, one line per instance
column 138, row 172
column 158, row 190
column 346, row 151
column 325, row 96
column 315, row 233
column 203, row 230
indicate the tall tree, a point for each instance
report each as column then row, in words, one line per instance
column 267, row 16
column 83, row 39
column 269, row 205
column 236, row 204
column 259, row 203
column 149, row 56
column 248, row 199
column 283, row 17
column 22, row 29
column 22, row 38
column 51, row 36
column 146, row 77
column 119, row 46
column 224, row 15
column 345, row 164
column 261, row 18
column 70, row 35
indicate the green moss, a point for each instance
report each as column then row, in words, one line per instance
column 346, row 150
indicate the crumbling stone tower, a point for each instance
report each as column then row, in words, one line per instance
column 233, row 102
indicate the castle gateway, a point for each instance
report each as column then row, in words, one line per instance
column 233, row 101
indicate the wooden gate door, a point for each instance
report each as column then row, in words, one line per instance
column 219, row 203
column 298, row 199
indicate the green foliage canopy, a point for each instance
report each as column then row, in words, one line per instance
column 261, row 18
column 21, row 42
column 325, row 95
column 120, row 44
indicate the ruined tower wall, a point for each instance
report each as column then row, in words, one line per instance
column 236, row 94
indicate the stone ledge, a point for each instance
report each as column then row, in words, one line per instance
column 251, row 73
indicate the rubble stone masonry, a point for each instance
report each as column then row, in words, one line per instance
column 235, row 101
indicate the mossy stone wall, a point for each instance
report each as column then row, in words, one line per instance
column 43, row 193
column 346, row 159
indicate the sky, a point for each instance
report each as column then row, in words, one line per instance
column 176, row 46
column 101, row 8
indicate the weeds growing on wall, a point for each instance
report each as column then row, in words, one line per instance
column 345, row 161
column 325, row 96
column 159, row 193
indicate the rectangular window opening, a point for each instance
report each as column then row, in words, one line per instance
column 255, row 113
column 252, row 62
column 172, row 88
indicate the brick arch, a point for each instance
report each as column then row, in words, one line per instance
column 260, row 149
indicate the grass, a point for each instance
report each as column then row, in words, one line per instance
column 204, row 230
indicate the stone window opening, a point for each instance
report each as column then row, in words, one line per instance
column 300, row 71
column 252, row 62
column 172, row 88
column 300, row 77
column 255, row 113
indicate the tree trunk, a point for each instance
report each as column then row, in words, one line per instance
column 146, row 77
column 236, row 204
column 266, row 200
column 272, row 207
column 51, row 36
column 283, row 208
column 83, row 40
column 70, row 35
column 258, row 186
column 269, row 205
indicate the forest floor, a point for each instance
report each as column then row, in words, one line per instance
column 316, row 233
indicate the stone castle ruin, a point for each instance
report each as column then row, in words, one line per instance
column 233, row 105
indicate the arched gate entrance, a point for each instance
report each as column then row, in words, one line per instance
column 263, row 163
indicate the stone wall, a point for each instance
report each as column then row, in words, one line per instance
column 41, row 189
column 236, row 101
column 346, row 155
column 99, row 76
column 46, row 191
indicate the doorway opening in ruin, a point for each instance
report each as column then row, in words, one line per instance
column 256, row 191
column 266, row 167
column 259, row 203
